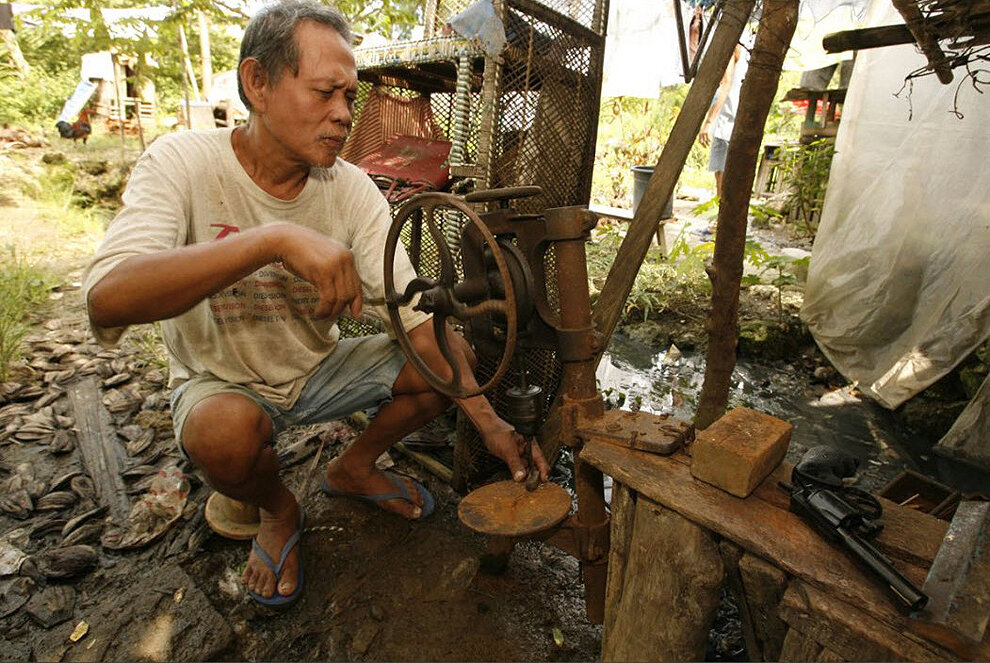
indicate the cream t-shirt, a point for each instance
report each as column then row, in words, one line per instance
column 189, row 188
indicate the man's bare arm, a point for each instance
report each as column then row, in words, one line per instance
column 499, row 437
column 168, row 283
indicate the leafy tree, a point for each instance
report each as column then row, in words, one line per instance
column 393, row 19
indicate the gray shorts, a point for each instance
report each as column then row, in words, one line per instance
column 359, row 374
column 716, row 160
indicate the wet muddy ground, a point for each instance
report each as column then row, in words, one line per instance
column 74, row 586
column 377, row 587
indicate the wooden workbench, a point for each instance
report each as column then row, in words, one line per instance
column 675, row 540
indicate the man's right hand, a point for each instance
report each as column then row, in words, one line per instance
column 164, row 284
column 326, row 264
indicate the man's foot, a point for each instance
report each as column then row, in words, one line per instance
column 274, row 533
column 372, row 484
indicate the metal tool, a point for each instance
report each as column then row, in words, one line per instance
column 958, row 581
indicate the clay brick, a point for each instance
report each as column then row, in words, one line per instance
column 739, row 450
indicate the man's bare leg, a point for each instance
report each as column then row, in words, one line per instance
column 228, row 436
column 414, row 404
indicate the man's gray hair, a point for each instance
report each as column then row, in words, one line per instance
column 270, row 36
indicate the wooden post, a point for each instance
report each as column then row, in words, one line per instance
column 119, row 71
column 204, row 52
column 643, row 227
column 670, row 588
column 755, row 98
column 188, row 68
column 764, row 585
column 9, row 40
column 927, row 40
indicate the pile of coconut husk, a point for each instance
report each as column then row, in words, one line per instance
column 14, row 137
column 61, row 515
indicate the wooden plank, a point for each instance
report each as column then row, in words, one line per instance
column 623, row 516
column 851, row 633
column 799, row 647
column 829, row 656
column 731, row 556
column 857, row 40
column 908, row 535
column 764, row 585
column 557, row 20
column 772, row 533
column 671, row 590
column 102, row 455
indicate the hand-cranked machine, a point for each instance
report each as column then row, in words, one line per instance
column 516, row 284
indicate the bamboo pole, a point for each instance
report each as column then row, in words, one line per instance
column 755, row 98
column 205, row 52
column 644, row 225
column 190, row 73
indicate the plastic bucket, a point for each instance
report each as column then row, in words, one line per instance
column 641, row 178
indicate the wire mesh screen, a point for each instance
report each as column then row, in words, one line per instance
column 547, row 105
column 531, row 118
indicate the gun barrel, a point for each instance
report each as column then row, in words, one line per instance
column 874, row 561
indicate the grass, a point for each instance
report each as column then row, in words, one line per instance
column 54, row 193
column 23, row 288
column 676, row 283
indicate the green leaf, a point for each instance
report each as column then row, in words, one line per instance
column 558, row 637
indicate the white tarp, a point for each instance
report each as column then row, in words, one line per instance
column 898, row 290
column 969, row 437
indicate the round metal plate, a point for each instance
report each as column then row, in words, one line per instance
column 506, row 508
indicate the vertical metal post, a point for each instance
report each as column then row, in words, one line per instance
column 568, row 226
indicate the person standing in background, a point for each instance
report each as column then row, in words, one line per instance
column 721, row 117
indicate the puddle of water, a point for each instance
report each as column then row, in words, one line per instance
column 670, row 382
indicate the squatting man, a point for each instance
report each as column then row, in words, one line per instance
column 248, row 243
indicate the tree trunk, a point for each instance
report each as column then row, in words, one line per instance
column 643, row 227
column 14, row 48
column 757, row 94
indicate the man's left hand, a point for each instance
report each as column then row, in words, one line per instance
column 511, row 447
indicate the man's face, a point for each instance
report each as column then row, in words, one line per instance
column 310, row 113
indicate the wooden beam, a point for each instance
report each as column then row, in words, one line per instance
column 926, row 39
column 847, row 630
column 862, row 39
column 643, row 228
column 757, row 94
column 557, row 20
column 102, row 454
column 670, row 592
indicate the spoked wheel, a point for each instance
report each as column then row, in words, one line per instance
column 447, row 296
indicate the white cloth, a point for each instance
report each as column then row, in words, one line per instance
column 189, row 188
column 75, row 103
column 897, row 290
column 642, row 52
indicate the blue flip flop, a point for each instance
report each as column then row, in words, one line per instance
column 280, row 600
column 401, row 492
